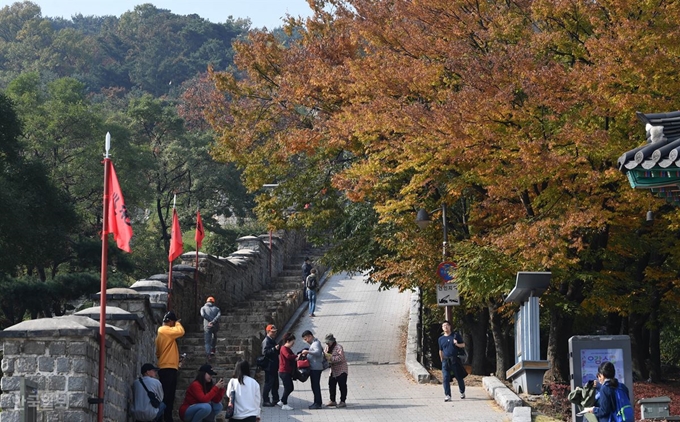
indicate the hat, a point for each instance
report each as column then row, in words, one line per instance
column 329, row 338
column 271, row 327
column 148, row 367
column 306, row 258
column 211, row 299
column 170, row 316
column 207, row 369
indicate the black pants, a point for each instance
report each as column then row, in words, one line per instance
column 168, row 379
column 288, row 387
column 271, row 384
column 340, row 381
column 248, row 419
column 315, row 379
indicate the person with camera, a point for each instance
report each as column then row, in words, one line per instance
column 203, row 399
column 147, row 394
column 167, row 353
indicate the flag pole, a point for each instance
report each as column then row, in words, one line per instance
column 198, row 210
column 174, row 202
column 102, row 294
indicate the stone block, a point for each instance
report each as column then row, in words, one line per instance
column 13, row 416
column 11, row 348
column 56, row 383
column 78, row 400
column 7, row 366
column 78, row 383
column 45, row 363
column 521, row 414
column 8, row 400
column 26, row 365
column 81, row 365
column 10, row 383
column 57, row 348
column 503, row 396
column 34, row 348
column 63, row 365
column 77, row 348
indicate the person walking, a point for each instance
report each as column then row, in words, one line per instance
column 167, row 353
column 211, row 325
column 142, row 408
column 287, row 365
column 203, row 399
column 312, row 284
column 335, row 354
column 315, row 356
column 450, row 346
column 270, row 350
column 246, row 394
column 306, row 270
column 605, row 397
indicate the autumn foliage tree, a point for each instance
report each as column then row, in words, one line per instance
column 511, row 113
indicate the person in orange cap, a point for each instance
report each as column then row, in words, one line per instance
column 211, row 324
column 270, row 351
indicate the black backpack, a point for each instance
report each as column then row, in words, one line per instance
column 311, row 282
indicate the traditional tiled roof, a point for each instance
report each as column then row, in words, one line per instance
column 656, row 164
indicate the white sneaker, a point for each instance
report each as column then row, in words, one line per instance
column 280, row 403
column 286, row 407
column 447, row 398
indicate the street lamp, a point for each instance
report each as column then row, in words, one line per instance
column 270, row 186
column 423, row 220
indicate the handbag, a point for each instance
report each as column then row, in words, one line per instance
column 262, row 361
column 229, row 411
column 152, row 396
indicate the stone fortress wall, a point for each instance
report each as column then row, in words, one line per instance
column 60, row 355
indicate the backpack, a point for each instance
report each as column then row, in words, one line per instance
column 623, row 408
column 311, row 282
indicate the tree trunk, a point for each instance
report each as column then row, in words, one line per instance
column 475, row 340
column 561, row 326
column 639, row 345
column 501, row 340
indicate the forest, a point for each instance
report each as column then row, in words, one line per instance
column 512, row 114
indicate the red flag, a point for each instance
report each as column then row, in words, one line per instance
column 176, row 245
column 118, row 218
column 200, row 234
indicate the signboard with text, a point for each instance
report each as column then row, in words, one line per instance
column 447, row 294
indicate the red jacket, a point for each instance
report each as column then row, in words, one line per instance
column 287, row 360
column 195, row 395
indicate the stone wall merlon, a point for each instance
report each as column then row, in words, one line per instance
column 113, row 313
column 150, row 285
column 63, row 326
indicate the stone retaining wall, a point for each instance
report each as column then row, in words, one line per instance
column 61, row 354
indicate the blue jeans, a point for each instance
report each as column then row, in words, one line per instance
column 210, row 338
column 200, row 412
column 159, row 415
column 452, row 367
column 311, row 295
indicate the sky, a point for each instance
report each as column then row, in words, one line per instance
column 261, row 12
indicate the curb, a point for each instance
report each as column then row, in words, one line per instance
column 413, row 366
column 505, row 398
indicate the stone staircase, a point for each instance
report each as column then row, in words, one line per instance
column 242, row 328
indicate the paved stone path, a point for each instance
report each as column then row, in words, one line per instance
column 369, row 325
